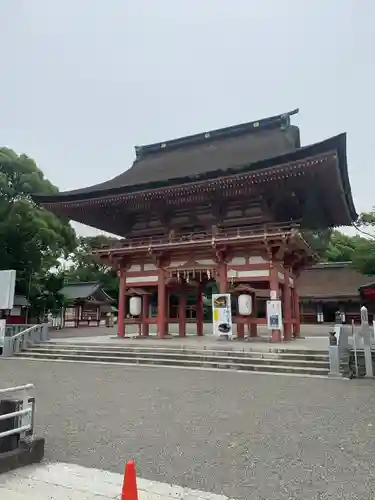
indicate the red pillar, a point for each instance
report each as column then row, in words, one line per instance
column 253, row 327
column 162, row 305
column 275, row 295
column 77, row 314
column 200, row 312
column 121, row 304
column 145, row 315
column 223, row 278
column 168, row 310
column 287, row 303
column 240, row 325
column 182, row 314
column 240, row 329
column 297, row 317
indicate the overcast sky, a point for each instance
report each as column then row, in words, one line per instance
column 84, row 81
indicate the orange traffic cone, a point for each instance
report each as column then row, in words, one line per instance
column 129, row 488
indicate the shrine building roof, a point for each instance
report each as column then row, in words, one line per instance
column 331, row 280
column 84, row 290
column 259, row 153
column 192, row 157
column 367, row 291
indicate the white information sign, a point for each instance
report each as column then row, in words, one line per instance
column 2, row 331
column 222, row 315
column 7, row 288
column 273, row 295
column 274, row 315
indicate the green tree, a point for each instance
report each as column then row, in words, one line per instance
column 85, row 267
column 367, row 218
column 342, row 248
column 32, row 239
column 359, row 249
column 364, row 257
column 46, row 296
column 366, row 224
column 319, row 240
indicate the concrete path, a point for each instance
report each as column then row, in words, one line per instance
column 72, row 482
column 306, row 330
column 249, row 438
column 260, row 344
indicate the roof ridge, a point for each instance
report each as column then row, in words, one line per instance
column 322, row 265
column 277, row 121
column 78, row 283
column 101, row 189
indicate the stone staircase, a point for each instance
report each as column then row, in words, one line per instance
column 292, row 361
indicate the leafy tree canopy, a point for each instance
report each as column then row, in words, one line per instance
column 84, row 267
column 367, row 219
column 341, row 248
column 319, row 240
column 45, row 294
column 364, row 256
column 32, row 239
column 359, row 249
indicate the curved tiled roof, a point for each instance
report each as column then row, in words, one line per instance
column 83, row 290
column 249, row 148
column 334, row 145
column 200, row 154
column 331, row 280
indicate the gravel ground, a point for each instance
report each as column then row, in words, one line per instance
column 247, row 436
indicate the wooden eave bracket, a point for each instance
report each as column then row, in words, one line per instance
column 221, row 254
column 160, row 259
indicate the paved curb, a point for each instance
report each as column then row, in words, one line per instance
column 300, row 362
column 169, row 367
column 73, row 482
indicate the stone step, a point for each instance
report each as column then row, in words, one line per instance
column 155, row 344
column 228, row 364
column 256, row 358
column 271, row 354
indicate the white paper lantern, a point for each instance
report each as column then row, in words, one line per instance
column 135, row 306
column 245, row 305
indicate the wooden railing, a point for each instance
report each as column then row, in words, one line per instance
column 217, row 236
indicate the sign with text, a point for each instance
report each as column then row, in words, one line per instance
column 222, row 315
column 274, row 315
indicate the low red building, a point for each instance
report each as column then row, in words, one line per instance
column 87, row 305
column 19, row 312
column 328, row 287
column 367, row 293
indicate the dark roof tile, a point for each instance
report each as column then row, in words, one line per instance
column 83, row 290
column 80, row 290
column 218, row 150
column 331, row 280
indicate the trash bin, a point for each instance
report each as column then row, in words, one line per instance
column 9, row 443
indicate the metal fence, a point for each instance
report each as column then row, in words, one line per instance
column 352, row 348
column 24, row 338
column 11, row 330
column 24, row 417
